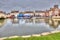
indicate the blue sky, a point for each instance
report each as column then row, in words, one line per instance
column 22, row 5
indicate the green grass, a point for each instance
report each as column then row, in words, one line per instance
column 55, row 36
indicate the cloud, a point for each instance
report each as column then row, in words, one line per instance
column 27, row 4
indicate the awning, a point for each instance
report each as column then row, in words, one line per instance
column 20, row 15
column 27, row 15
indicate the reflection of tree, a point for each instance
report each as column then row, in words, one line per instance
column 2, row 22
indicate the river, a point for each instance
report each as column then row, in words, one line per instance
column 19, row 27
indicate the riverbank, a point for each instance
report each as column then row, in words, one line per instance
column 43, row 36
column 55, row 36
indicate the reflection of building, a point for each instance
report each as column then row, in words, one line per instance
column 15, row 21
column 47, row 21
column 53, row 23
column 29, row 21
column 39, row 20
column 34, row 20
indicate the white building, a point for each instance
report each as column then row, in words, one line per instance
column 14, row 13
column 40, row 13
column 29, row 13
column 2, row 14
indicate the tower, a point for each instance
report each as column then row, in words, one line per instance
column 55, row 6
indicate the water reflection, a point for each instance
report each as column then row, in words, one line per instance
column 15, row 21
column 2, row 22
column 27, row 26
column 52, row 23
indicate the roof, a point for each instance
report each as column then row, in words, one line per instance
column 39, row 11
column 28, row 12
column 2, row 12
column 14, row 11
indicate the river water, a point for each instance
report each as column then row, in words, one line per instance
column 19, row 27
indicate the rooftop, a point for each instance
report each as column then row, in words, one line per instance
column 29, row 12
column 39, row 11
column 14, row 11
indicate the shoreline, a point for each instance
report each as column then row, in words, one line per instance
column 33, row 35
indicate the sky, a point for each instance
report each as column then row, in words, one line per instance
column 23, row 5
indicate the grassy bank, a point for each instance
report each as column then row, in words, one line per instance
column 55, row 36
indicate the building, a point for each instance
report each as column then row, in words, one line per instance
column 8, row 15
column 15, row 13
column 47, row 13
column 54, row 11
column 51, row 13
column 20, row 15
column 28, row 14
column 56, row 6
column 39, row 13
column 59, row 12
column 2, row 14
